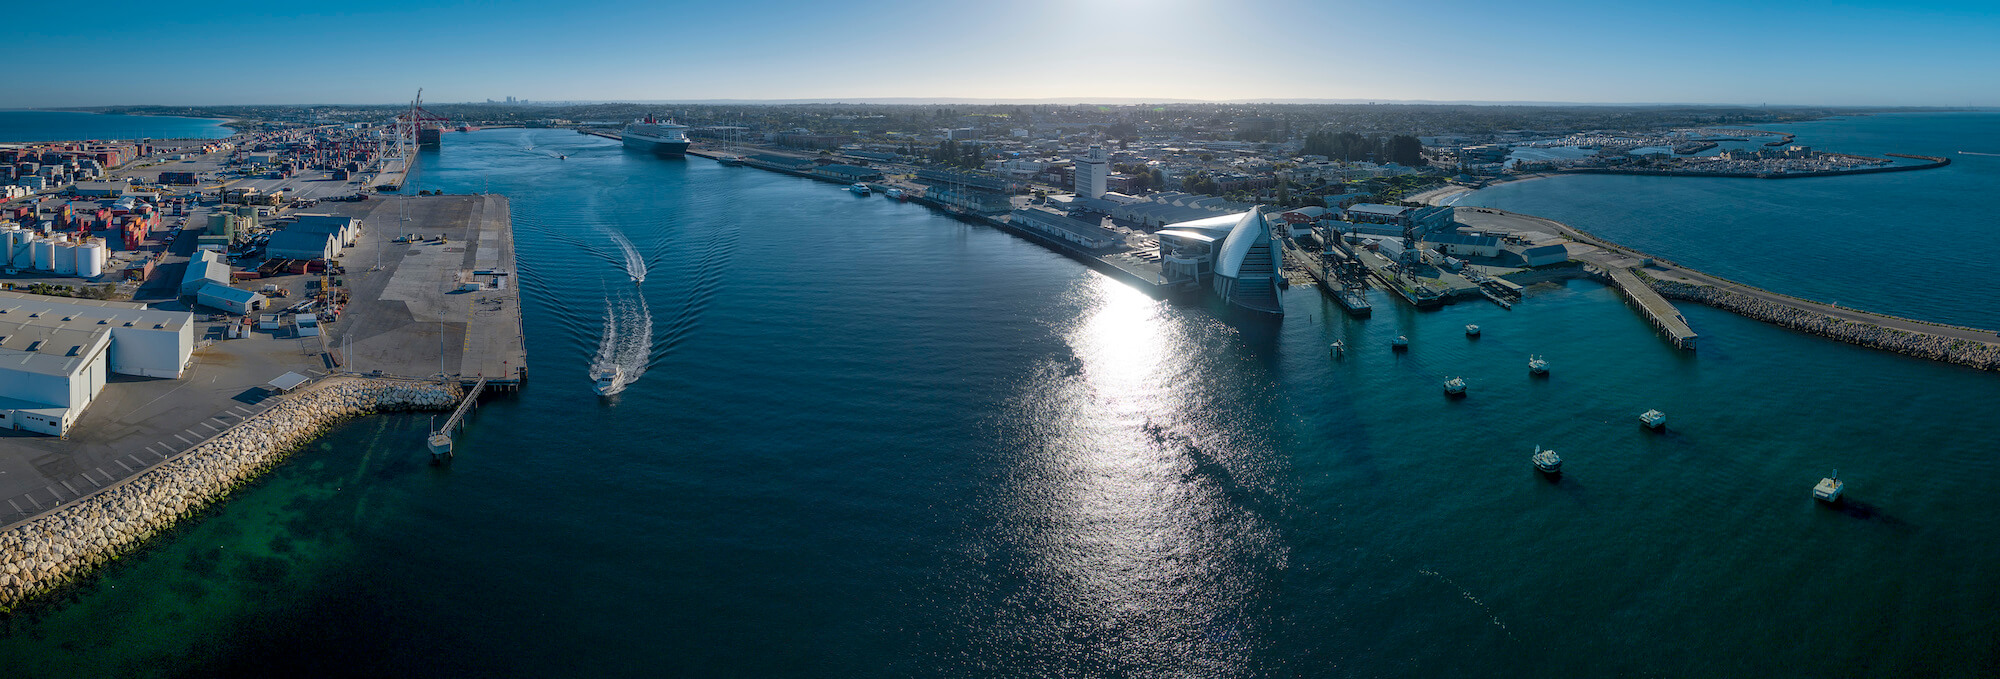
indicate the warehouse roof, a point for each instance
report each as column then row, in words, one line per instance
column 1375, row 209
column 48, row 348
column 17, row 306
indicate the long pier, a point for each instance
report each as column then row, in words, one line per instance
column 440, row 440
column 1657, row 310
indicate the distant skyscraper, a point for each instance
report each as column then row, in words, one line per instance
column 1093, row 171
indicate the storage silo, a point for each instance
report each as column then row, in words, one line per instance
column 45, row 255
column 65, row 263
column 90, row 259
column 23, row 255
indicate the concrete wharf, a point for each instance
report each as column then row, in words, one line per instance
column 1657, row 310
column 1352, row 299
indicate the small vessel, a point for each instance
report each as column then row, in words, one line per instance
column 1653, row 419
column 1471, row 330
column 1828, row 489
column 730, row 160
column 859, row 189
column 609, row 380
column 1400, row 343
column 1455, row 386
column 1537, row 366
column 561, row 157
column 1547, row 461
column 895, row 193
column 1338, row 349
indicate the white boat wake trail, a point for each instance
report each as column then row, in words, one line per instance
column 635, row 265
column 628, row 338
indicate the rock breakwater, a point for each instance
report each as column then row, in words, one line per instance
column 1922, row 345
column 50, row 550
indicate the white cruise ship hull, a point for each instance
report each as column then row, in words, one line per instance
column 658, row 147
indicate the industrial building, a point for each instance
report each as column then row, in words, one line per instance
column 346, row 229
column 206, row 267
column 1545, row 255
column 1058, row 225
column 233, row 300
column 1234, row 254
column 848, row 173
column 302, row 244
column 1462, row 245
column 55, row 354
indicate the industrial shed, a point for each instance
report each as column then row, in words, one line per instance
column 300, row 244
column 233, row 300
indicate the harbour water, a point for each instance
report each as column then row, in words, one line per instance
column 870, row 440
column 25, row 126
column 1912, row 244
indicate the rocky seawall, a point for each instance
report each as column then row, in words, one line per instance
column 1921, row 345
column 50, row 550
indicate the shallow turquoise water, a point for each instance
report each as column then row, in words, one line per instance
column 870, row 440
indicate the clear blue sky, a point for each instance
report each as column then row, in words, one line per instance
column 1866, row 52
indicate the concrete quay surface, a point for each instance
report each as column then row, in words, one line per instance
column 403, row 318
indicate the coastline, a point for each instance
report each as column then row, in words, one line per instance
column 48, row 551
column 1972, row 347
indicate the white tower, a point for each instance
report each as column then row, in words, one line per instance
column 1092, row 173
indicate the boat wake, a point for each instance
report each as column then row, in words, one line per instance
column 635, row 265
column 627, row 342
column 1976, row 153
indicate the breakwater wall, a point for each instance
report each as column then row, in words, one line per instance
column 1918, row 344
column 1934, row 162
column 50, row 550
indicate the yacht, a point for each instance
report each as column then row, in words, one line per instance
column 610, row 380
column 1455, row 386
column 1400, row 343
column 1653, row 419
column 1537, row 366
column 1828, row 489
column 1471, row 330
column 1547, row 461
column 859, row 189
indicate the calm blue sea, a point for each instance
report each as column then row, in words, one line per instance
column 20, row 126
column 1918, row 244
column 870, row 441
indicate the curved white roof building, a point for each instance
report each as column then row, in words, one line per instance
column 1234, row 253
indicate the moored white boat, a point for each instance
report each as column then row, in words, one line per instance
column 1547, row 461
column 1401, row 342
column 1537, row 366
column 1828, row 489
column 1455, row 386
column 1471, row 330
column 1653, row 419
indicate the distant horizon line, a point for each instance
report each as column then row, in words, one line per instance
column 1068, row 101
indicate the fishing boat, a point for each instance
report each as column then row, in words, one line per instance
column 1547, row 461
column 895, row 193
column 1471, row 330
column 1653, row 419
column 1400, row 343
column 1537, row 366
column 1338, row 349
column 1828, row 489
column 1455, row 386
column 859, row 189
column 609, row 379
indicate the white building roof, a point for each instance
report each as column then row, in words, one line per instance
column 1248, row 230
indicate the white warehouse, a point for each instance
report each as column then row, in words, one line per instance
column 55, row 354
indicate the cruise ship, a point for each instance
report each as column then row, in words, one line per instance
column 659, row 137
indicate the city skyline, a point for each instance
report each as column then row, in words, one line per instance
column 1790, row 53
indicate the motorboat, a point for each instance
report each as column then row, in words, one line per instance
column 1547, row 461
column 1828, row 489
column 1400, row 343
column 1653, row 419
column 1471, row 330
column 1455, row 386
column 1338, row 349
column 859, row 189
column 610, row 379
column 1537, row 366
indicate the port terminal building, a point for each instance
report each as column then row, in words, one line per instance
column 56, row 354
column 1234, row 255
